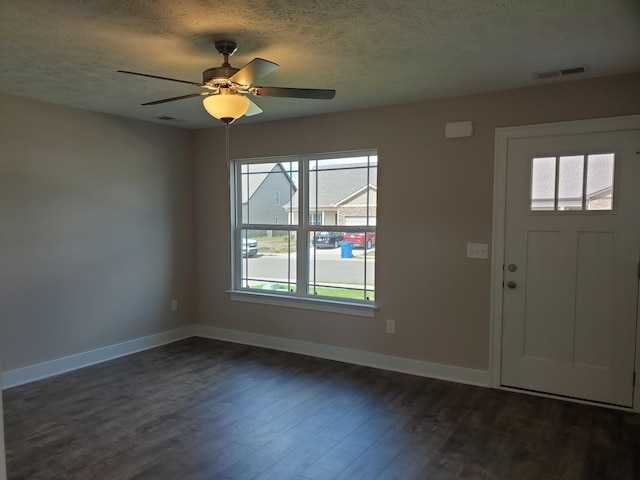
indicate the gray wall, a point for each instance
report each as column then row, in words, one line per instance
column 435, row 195
column 96, row 230
column 96, row 222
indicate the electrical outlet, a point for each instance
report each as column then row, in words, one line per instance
column 174, row 305
column 477, row 250
column 391, row 326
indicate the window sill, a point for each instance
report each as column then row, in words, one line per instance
column 322, row 305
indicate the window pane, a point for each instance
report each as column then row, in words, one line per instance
column 543, row 183
column 268, row 260
column 570, row 182
column 343, row 191
column 342, row 194
column 340, row 272
column 600, row 170
column 267, row 191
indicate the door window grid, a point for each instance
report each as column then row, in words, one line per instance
column 572, row 183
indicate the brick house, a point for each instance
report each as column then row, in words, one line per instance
column 339, row 196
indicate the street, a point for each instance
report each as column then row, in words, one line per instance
column 327, row 266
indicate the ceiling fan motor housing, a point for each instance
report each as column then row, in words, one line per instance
column 218, row 75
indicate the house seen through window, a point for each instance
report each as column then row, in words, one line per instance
column 319, row 239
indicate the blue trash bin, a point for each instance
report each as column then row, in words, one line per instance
column 346, row 249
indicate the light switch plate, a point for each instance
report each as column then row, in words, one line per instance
column 391, row 326
column 477, row 250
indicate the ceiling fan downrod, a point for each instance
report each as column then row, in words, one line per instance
column 226, row 48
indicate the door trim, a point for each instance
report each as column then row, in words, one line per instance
column 502, row 137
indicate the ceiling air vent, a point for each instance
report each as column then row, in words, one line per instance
column 571, row 71
column 171, row 119
column 561, row 73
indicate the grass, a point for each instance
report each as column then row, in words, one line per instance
column 276, row 244
column 343, row 293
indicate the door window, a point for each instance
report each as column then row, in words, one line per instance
column 572, row 182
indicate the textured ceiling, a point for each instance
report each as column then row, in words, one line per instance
column 373, row 52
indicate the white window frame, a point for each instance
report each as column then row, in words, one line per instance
column 303, row 229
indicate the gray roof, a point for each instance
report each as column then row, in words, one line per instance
column 330, row 185
column 253, row 174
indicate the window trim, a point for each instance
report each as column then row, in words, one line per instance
column 304, row 229
column 324, row 304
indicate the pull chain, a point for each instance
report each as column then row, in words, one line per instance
column 226, row 141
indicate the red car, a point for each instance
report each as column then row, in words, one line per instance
column 361, row 239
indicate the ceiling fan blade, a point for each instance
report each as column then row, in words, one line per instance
column 173, row 99
column 197, row 84
column 253, row 109
column 316, row 93
column 256, row 68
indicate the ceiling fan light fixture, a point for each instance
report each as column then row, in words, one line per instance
column 226, row 106
column 226, row 87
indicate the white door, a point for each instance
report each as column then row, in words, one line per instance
column 571, row 256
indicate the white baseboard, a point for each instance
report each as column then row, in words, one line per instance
column 20, row 376
column 357, row 357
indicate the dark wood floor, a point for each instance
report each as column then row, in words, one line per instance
column 203, row 409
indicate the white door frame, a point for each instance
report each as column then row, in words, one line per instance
column 502, row 137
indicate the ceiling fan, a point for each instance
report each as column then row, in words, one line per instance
column 227, row 87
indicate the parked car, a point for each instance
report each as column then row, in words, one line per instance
column 327, row 239
column 249, row 247
column 361, row 239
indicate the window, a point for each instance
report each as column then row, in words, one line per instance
column 315, row 219
column 276, row 198
column 320, row 253
column 574, row 182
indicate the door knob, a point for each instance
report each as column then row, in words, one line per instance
column 511, row 284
